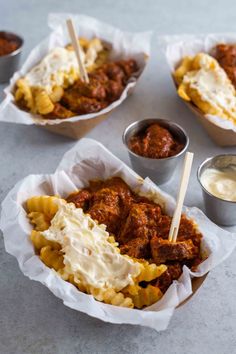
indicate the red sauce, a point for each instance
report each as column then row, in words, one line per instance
column 8, row 45
column 155, row 142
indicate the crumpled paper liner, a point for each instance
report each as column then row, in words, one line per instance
column 124, row 45
column 222, row 131
column 87, row 160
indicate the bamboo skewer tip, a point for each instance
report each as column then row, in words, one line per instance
column 77, row 49
column 181, row 195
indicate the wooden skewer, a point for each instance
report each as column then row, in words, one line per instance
column 77, row 49
column 180, row 200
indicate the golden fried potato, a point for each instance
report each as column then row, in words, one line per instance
column 202, row 81
column 183, row 69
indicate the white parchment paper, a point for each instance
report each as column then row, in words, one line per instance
column 124, row 45
column 87, row 160
column 177, row 47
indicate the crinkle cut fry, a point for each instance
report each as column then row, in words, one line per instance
column 44, row 204
column 41, row 210
column 43, row 103
column 108, row 296
column 39, row 220
column 144, row 296
column 23, row 92
column 39, row 241
column 53, row 258
column 151, row 271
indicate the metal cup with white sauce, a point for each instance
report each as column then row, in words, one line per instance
column 218, row 209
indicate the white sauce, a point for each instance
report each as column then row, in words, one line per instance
column 220, row 183
column 213, row 85
column 89, row 256
column 92, row 52
column 52, row 69
column 55, row 67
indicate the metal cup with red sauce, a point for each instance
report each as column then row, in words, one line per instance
column 10, row 51
column 155, row 147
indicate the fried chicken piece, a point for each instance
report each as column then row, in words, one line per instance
column 93, row 89
column 99, row 75
column 163, row 226
column 117, row 184
column 105, row 208
column 195, row 263
column 81, row 199
column 140, row 223
column 111, row 202
column 188, row 230
column 80, row 104
column 137, row 248
column 164, row 250
column 59, row 111
column 129, row 67
column 226, row 56
column 173, row 272
column 114, row 90
column 114, row 72
column 111, row 77
column 119, row 71
column 124, row 192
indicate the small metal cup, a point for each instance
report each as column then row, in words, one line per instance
column 158, row 170
column 220, row 211
column 9, row 63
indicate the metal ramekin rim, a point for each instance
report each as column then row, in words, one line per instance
column 199, row 177
column 156, row 119
column 18, row 50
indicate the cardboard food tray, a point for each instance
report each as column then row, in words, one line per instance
column 75, row 130
column 221, row 136
column 78, row 129
column 196, row 284
column 123, row 45
column 87, row 160
column 175, row 48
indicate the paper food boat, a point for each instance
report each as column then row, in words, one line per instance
column 124, row 46
column 221, row 131
column 87, row 160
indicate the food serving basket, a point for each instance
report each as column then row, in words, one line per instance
column 88, row 160
column 123, row 46
column 221, row 131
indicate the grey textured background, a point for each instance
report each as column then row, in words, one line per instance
column 32, row 320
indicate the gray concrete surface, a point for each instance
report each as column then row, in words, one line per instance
column 32, row 320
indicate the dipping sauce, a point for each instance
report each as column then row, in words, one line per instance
column 220, row 183
column 8, row 45
column 155, row 142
